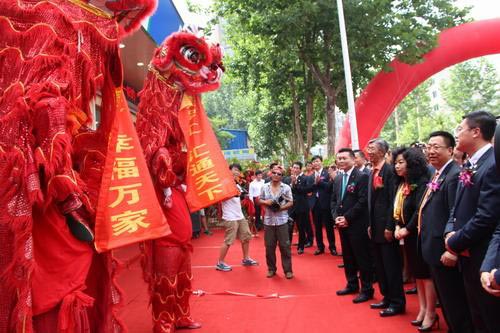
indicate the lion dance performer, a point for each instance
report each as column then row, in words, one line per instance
column 55, row 55
column 183, row 64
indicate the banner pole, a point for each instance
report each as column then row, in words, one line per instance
column 348, row 78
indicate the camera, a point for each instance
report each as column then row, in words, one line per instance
column 276, row 205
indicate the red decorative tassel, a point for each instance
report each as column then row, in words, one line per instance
column 73, row 314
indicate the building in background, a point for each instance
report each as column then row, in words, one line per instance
column 239, row 146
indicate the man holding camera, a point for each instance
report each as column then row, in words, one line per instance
column 277, row 197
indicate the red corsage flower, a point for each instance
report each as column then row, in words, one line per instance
column 350, row 188
column 378, row 182
column 407, row 189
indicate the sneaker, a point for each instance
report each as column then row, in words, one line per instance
column 249, row 262
column 222, row 266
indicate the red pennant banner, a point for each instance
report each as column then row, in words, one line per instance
column 128, row 210
column 208, row 177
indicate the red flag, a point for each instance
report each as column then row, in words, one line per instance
column 128, row 210
column 208, row 177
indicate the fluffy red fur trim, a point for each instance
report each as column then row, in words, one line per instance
column 17, row 274
column 147, row 264
column 134, row 11
column 60, row 187
column 216, row 52
column 171, row 50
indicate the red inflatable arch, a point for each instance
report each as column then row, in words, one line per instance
column 387, row 89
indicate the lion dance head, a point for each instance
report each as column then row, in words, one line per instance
column 190, row 62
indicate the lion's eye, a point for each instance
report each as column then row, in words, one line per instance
column 190, row 53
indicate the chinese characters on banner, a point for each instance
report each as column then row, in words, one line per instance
column 128, row 210
column 208, row 178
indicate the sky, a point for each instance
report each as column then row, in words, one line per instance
column 482, row 9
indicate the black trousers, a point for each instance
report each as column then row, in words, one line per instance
column 303, row 225
column 357, row 258
column 389, row 268
column 258, row 219
column 323, row 218
column 485, row 308
column 451, row 292
column 308, row 227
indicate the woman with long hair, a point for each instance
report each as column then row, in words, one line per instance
column 413, row 175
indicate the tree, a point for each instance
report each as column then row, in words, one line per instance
column 415, row 118
column 277, row 42
column 472, row 86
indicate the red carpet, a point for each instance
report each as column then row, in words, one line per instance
column 307, row 303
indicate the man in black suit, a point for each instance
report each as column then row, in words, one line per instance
column 490, row 269
column 350, row 212
column 475, row 215
column 321, row 209
column 386, row 254
column 301, row 185
column 360, row 161
column 433, row 215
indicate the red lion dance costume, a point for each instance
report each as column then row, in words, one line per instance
column 55, row 55
column 183, row 65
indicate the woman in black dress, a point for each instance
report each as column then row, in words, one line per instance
column 412, row 173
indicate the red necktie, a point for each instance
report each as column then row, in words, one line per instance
column 375, row 175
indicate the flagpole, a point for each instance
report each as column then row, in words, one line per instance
column 348, row 78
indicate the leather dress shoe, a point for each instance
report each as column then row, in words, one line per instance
column 318, row 252
column 300, row 251
column 346, row 291
column 334, row 252
column 391, row 311
column 381, row 305
column 362, row 297
column 308, row 244
column 340, row 265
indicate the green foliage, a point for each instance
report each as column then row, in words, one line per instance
column 285, row 51
column 329, row 161
column 248, row 164
column 473, row 85
column 416, row 118
column 230, row 103
column 222, row 136
column 413, row 115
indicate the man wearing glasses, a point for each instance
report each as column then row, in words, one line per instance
column 433, row 215
column 475, row 215
column 277, row 197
